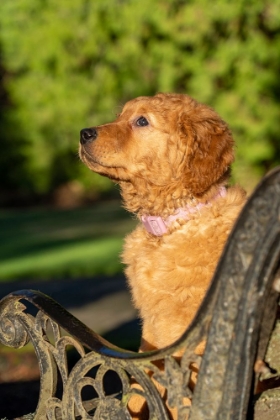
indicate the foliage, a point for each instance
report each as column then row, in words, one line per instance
column 68, row 65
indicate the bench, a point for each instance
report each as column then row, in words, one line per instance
column 236, row 318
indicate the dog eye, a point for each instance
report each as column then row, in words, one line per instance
column 142, row 122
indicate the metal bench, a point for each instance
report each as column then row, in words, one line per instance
column 236, row 318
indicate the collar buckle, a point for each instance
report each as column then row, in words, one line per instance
column 154, row 225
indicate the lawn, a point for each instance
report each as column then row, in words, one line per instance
column 48, row 243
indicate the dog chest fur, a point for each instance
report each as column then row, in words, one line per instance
column 169, row 275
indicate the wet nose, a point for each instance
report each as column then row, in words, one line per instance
column 87, row 135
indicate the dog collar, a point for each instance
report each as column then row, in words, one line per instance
column 157, row 226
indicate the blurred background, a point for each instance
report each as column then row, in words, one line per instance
column 68, row 65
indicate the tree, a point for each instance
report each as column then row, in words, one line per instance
column 69, row 65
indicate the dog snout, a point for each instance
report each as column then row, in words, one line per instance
column 87, row 135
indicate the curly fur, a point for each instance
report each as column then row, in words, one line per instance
column 182, row 157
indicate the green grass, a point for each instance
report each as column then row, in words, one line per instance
column 50, row 243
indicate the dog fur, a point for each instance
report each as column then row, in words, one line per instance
column 178, row 156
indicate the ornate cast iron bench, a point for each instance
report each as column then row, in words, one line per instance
column 236, row 319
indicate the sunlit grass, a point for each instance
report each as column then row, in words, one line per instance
column 46, row 244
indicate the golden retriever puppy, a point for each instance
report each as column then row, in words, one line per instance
column 171, row 157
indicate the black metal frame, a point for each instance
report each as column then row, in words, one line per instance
column 236, row 318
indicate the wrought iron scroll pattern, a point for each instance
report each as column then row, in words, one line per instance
column 229, row 318
column 18, row 327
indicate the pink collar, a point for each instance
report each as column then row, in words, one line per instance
column 158, row 226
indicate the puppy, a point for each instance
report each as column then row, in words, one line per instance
column 171, row 157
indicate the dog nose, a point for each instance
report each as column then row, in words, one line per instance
column 87, row 135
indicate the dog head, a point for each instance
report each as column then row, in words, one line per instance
column 163, row 140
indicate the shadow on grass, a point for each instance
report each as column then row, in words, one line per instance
column 62, row 243
column 24, row 232
column 70, row 293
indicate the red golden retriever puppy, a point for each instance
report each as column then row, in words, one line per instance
column 171, row 157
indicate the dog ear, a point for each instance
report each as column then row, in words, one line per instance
column 208, row 147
